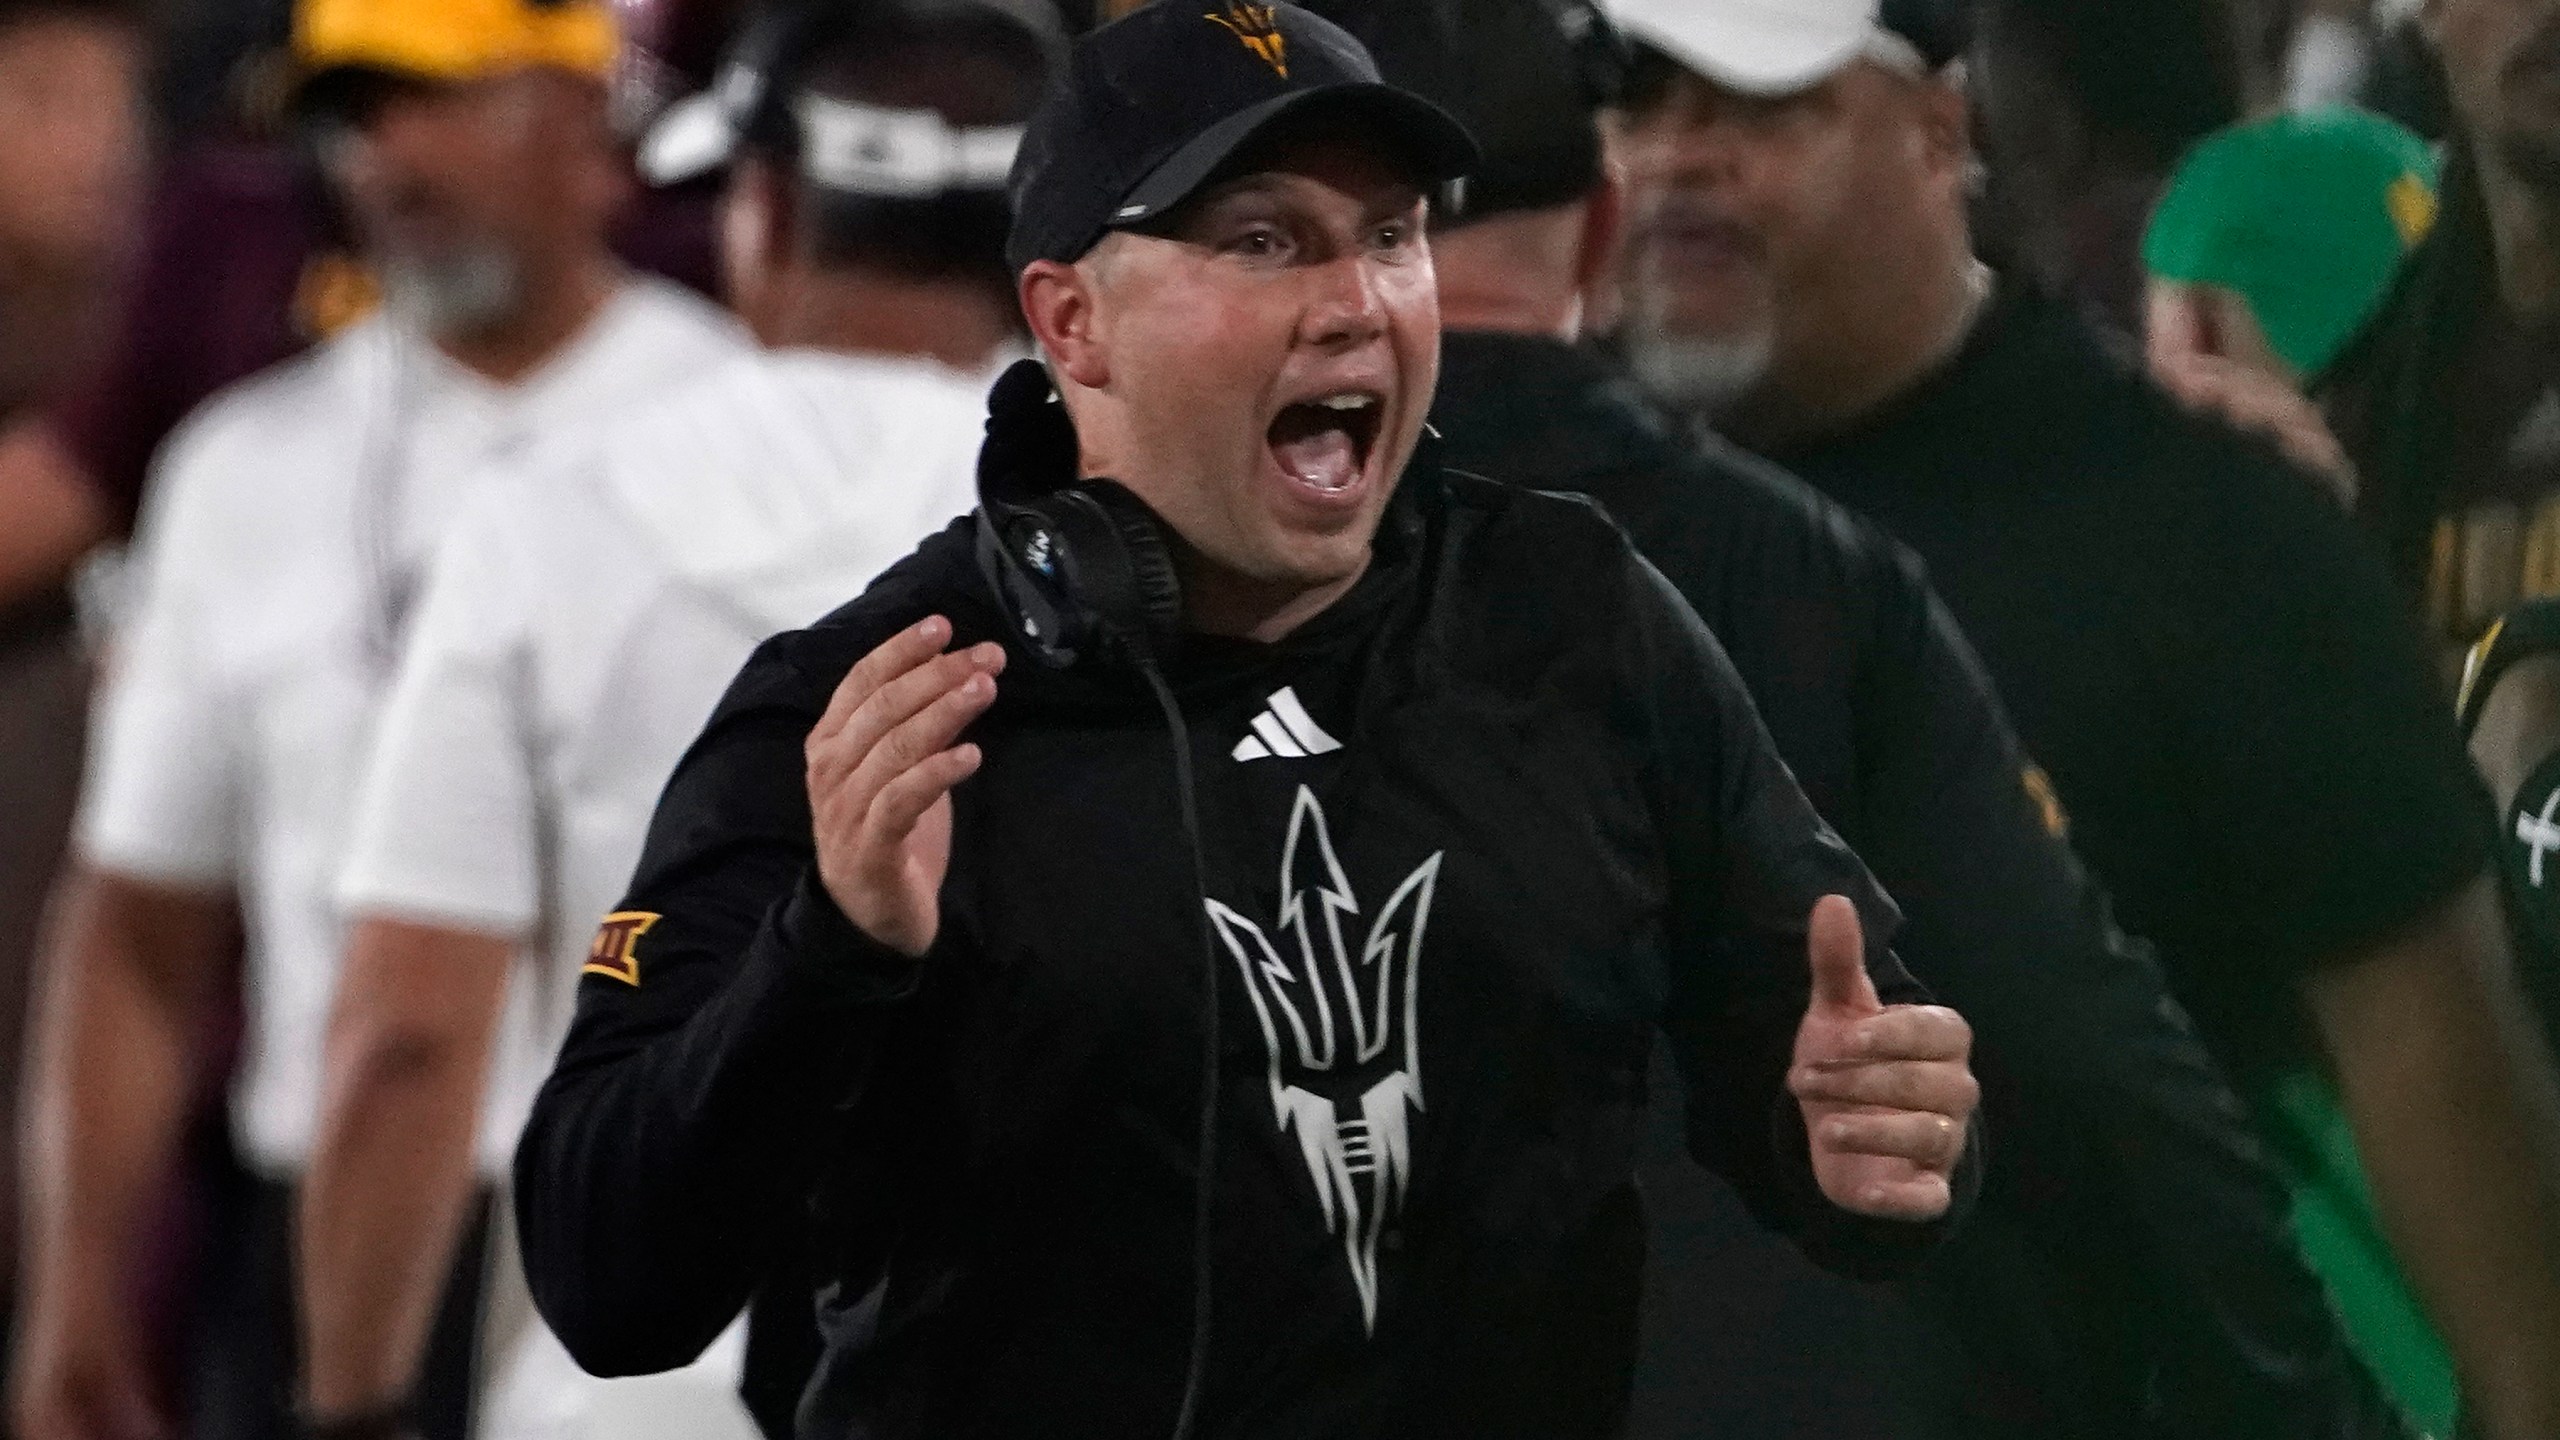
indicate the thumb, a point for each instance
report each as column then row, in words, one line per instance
column 1837, row 945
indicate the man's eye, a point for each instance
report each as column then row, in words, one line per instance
column 1394, row 235
column 1259, row 242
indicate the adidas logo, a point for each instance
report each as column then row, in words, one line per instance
column 1284, row 731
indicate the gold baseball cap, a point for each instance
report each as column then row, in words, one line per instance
column 454, row 40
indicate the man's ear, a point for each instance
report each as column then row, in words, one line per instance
column 1604, row 228
column 1946, row 126
column 755, row 243
column 756, row 231
column 1599, row 270
column 1058, row 301
column 782, row 237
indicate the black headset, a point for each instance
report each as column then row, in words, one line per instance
column 1080, row 569
column 1081, row 572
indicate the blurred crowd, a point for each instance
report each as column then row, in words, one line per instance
column 412, row 412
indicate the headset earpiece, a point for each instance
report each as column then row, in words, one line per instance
column 1154, row 602
column 1080, row 569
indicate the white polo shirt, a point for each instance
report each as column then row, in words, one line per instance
column 583, row 618
column 578, row 626
column 288, row 521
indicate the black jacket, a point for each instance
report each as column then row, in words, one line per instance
column 2131, row 1270
column 1472, row 837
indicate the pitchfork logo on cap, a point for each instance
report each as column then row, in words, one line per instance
column 1257, row 27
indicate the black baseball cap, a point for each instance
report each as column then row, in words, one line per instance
column 1528, row 78
column 1152, row 107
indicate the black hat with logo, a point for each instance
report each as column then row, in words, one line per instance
column 1154, row 105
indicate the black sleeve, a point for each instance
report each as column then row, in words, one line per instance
column 2334, row 805
column 2105, row 1099
column 2530, row 629
column 2525, row 839
column 1748, row 858
column 729, row 1018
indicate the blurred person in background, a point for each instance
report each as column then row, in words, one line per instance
column 2120, row 1279
column 2236, row 714
column 70, row 158
column 236, row 264
column 2454, row 401
column 2450, row 403
column 2275, row 244
column 2510, row 708
column 2474, row 340
column 2085, row 105
column 71, row 137
column 244, row 260
column 581, row 621
column 2130, row 1271
column 289, row 522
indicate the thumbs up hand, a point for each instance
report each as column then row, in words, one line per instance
column 1887, row 1090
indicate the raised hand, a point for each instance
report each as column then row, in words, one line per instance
column 1887, row 1090
column 2255, row 401
column 881, row 765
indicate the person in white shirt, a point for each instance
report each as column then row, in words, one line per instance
column 468, row 140
column 579, row 625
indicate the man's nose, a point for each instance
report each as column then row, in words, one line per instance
column 1698, row 150
column 1347, row 309
column 396, row 141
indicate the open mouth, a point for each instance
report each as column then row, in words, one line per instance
column 1702, row 244
column 1324, row 443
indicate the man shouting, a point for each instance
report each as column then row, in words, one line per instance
column 1280, row 1078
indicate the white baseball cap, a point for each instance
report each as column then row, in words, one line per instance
column 1779, row 47
column 845, row 145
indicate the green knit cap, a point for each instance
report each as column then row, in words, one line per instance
column 2306, row 215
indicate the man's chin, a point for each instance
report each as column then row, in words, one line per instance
column 1699, row 374
column 1289, row 582
column 455, row 295
column 1313, row 563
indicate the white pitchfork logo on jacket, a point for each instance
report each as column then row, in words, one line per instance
column 1341, row 1029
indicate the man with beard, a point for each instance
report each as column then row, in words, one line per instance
column 2131, row 1275
column 2451, row 405
column 581, row 621
column 2194, row 641
column 468, row 139
column 1191, row 940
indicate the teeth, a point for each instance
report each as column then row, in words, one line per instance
column 1347, row 402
